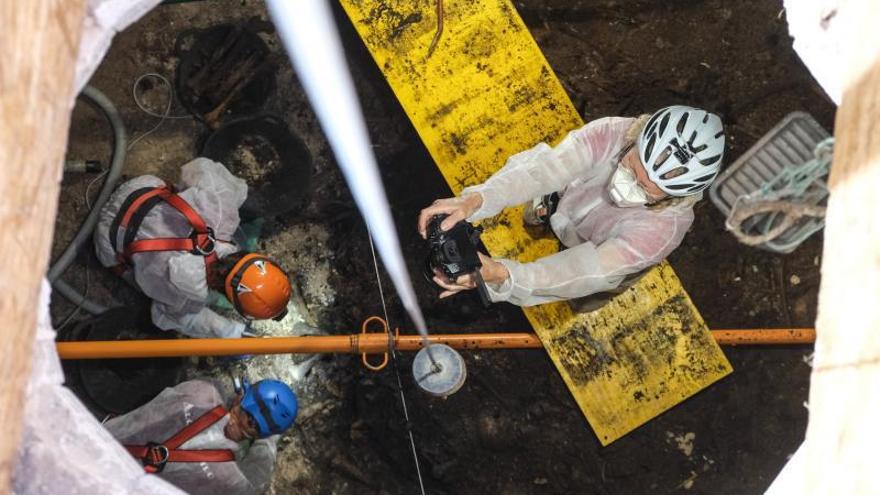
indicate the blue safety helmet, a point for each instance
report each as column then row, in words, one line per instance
column 272, row 405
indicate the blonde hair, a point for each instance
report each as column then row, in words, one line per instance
column 630, row 138
column 632, row 134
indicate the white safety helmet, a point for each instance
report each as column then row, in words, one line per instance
column 681, row 148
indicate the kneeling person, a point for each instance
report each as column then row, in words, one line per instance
column 187, row 436
column 175, row 246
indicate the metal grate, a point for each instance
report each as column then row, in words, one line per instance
column 791, row 143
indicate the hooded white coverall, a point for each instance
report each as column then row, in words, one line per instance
column 173, row 409
column 176, row 281
column 605, row 242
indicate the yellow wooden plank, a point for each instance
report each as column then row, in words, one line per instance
column 484, row 94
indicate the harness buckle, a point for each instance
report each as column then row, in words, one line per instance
column 206, row 248
column 156, row 457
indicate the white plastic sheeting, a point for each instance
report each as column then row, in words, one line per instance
column 103, row 19
column 818, row 29
column 63, row 448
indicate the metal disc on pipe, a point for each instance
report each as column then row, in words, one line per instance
column 439, row 370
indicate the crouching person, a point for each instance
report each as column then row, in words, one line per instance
column 175, row 245
column 189, row 437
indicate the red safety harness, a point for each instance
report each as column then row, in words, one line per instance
column 131, row 214
column 155, row 456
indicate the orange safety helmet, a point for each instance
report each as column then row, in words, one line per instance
column 258, row 288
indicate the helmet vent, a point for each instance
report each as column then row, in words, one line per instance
column 711, row 160
column 674, row 173
column 681, row 123
column 661, row 159
column 678, row 187
column 650, row 125
column 649, row 148
column 664, row 123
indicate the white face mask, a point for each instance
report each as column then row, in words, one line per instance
column 625, row 190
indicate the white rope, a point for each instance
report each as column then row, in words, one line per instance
column 794, row 193
column 165, row 115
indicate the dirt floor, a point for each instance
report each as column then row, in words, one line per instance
column 496, row 435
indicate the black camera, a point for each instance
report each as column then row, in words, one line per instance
column 454, row 252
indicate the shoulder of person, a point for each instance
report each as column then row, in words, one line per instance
column 609, row 123
column 136, row 183
column 204, row 172
column 677, row 206
column 197, row 385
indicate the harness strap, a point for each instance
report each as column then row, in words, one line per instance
column 135, row 209
column 132, row 203
column 154, row 456
column 207, row 455
column 264, row 410
column 195, row 220
column 236, row 279
column 196, row 427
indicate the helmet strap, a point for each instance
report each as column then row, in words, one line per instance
column 235, row 276
column 264, row 410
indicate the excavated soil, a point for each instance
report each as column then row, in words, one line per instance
column 513, row 428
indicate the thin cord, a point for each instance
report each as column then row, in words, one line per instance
column 164, row 115
column 393, row 351
column 89, row 188
column 146, row 110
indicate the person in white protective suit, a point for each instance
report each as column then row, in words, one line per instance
column 626, row 190
column 175, row 246
column 187, row 436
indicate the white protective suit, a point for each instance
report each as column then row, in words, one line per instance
column 605, row 242
column 175, row 280
column 63, row 449
column 173, row 409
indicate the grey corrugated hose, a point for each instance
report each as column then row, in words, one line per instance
column 85, row 231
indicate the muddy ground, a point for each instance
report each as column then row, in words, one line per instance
column 499, row 435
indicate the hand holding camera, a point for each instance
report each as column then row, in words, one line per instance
column 454, row 262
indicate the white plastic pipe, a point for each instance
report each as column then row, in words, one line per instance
column 309, row 34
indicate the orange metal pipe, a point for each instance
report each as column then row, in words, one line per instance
column 366, row 343
column 765, row 336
